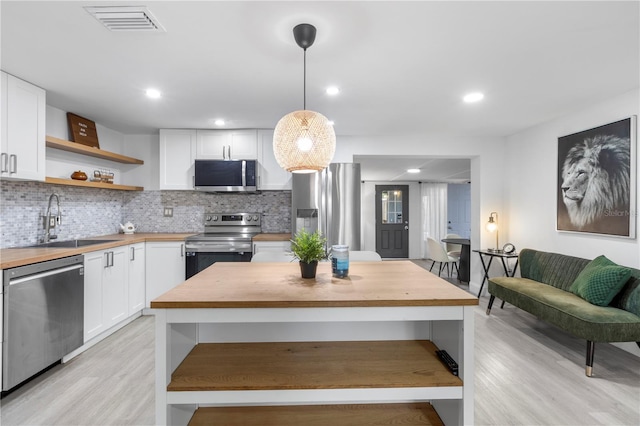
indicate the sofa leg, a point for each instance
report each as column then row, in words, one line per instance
column 591, row 346
column 490, row 304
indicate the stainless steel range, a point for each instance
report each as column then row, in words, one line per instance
column 226, row 238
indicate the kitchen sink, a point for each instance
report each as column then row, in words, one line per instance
column 70, row 243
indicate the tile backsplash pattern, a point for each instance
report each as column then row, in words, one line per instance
column 86, row 212
column 89, row 212
column 145, row 209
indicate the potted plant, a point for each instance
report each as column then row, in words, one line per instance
column 308, row 249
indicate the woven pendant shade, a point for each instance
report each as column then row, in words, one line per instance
column 304, row 142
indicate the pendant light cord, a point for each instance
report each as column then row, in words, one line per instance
column 304, row 81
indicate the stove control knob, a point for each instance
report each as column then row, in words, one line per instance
column 215, row 217
column 208, row 218
column 248, row 218
column 255, row 217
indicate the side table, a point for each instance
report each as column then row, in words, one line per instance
column 491, row 255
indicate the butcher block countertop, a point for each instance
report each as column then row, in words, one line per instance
column 12, row 257
column 279, row 285
column 272, row 237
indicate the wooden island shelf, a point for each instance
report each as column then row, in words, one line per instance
column 311, row 365
column 255, row 342
column 421, row 414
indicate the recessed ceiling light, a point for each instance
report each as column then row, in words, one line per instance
column 413, row 171
column 153, row 93
column 473, row 97
column 219, row 122
column 332, row 90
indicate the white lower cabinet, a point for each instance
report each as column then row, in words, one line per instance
column 136, row 288
column 259, row 246
column 105, row 290
column 165, row 267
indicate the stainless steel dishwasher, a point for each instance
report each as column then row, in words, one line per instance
column 43, row 316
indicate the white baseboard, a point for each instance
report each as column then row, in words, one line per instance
column 101, row 337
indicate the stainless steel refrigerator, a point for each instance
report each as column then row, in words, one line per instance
column 329, row 201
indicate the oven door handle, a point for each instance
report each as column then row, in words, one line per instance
column 222, row 248
column 244, row 173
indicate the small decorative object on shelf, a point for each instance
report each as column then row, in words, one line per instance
column 104, row 176
column 79, row 175
column 308, row 249
column 82, row 130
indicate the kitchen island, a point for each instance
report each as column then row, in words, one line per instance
column 256, row 341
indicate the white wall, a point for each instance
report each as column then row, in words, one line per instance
column 530, row 191
column 531, row 188
column 144, row 147
column 368, row 211
column 487, row 171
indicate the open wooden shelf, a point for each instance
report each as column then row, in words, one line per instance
column 319, row 415
column 88, row 184
column 77, row 148
column 311, row 365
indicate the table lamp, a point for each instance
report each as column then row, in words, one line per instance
column 492, row 226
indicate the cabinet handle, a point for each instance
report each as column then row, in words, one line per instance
column 109, row 259
column 4, row 158
column 133, row 254
column 13, row 165
column 229, row 151
column 106, row 260
column 181, row 250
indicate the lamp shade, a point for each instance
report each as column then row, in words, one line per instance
column 491, row 226
column 304, row 142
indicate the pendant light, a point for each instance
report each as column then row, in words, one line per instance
column 304, row 141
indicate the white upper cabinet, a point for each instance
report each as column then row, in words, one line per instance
column 22, row 150
column 227, row 144
column 177, row 153
column 271, row 176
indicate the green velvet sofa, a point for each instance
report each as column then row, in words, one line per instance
column 544, row 289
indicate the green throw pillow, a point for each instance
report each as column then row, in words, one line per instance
column 600, row 281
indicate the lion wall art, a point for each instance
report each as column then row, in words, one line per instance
column 596, row 180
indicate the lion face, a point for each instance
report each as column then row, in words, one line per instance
column 596, row 178
column 575, row 181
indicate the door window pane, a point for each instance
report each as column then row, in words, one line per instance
column 391, row 206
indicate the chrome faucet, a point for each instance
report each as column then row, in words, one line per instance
column 58, row 219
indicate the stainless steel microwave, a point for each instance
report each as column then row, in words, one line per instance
column 226, row 175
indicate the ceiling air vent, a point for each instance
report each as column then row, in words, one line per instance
column 126, row 18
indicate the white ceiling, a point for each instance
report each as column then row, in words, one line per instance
column 402, row 66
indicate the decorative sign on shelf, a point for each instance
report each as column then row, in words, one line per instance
column 82, row 130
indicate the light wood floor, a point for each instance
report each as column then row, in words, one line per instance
column 527, row 373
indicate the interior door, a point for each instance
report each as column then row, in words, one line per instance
column 459, row 209
column 392, row 221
